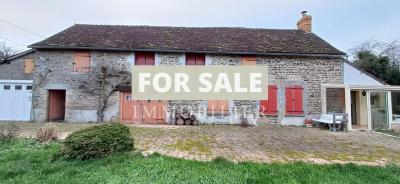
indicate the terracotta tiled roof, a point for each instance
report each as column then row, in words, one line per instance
column 189, row 39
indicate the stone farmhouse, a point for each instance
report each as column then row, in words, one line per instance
column 299, row 63
column 307, row 75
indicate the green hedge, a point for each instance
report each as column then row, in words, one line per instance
column 97, row 141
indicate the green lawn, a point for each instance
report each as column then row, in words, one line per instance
column 26, row 161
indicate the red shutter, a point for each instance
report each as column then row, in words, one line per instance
column 195, row 59
column 140, row 59
column 81, row 61
column 200, row 59
column 144, row 58
column 249, row 60
column 190, row 59
column 294, row 100
column 289, row 100
column 218, row 106
column 150, row 59
column 270, row 107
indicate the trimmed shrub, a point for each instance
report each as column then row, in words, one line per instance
column 97, row 141
column 47, row 133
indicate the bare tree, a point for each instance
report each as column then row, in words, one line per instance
column 392, row 50
column 6, row 51
column 379, row 48
column 102, row 81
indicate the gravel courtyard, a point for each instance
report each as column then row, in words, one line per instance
column 270, row 143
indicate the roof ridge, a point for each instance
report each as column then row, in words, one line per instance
column 194, row 27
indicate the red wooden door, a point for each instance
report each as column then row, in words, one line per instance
column 153, row 111
column 56, row 105
column 131, row 110
column 141, row 111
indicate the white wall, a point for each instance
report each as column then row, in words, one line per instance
column 353, row 76
column 15, row 105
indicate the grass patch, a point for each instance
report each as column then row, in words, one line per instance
column 191, row 145
column 27, row 161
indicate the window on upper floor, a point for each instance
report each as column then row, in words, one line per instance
column 29, row 66
column 144, row 58
column 195, row 59
column 294, row 100
column 270, row 107
column 81, row 61
column 249, row 60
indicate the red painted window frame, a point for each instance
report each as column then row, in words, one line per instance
column 195, row 59
column 144, row 58
column 294, row 100
column 270, row 106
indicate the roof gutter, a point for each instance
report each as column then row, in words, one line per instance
column 332, row 55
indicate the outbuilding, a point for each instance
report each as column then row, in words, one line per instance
column 16, row 86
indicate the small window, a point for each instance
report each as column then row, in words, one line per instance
column 29, row 66
column 195, row 59
column 7, row 87
column 81, row 61
column 249, row 60
column 28, row 87
column 144, row 58
column 18, row 87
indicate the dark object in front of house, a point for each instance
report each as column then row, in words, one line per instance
column 244, row 122
column 97, row 141
column 185, row 118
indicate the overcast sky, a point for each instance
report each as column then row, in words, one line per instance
column 342, row 23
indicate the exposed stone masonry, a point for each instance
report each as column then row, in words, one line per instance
column 81, row 107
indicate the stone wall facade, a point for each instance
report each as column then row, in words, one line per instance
column 307, row 72
column 81, row 107
column 14, row 70
column 335, row 100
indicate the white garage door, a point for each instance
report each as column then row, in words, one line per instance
column 15, row 100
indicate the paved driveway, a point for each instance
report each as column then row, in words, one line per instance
column 268, row 144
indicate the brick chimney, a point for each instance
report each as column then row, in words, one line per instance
column 304, row 23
